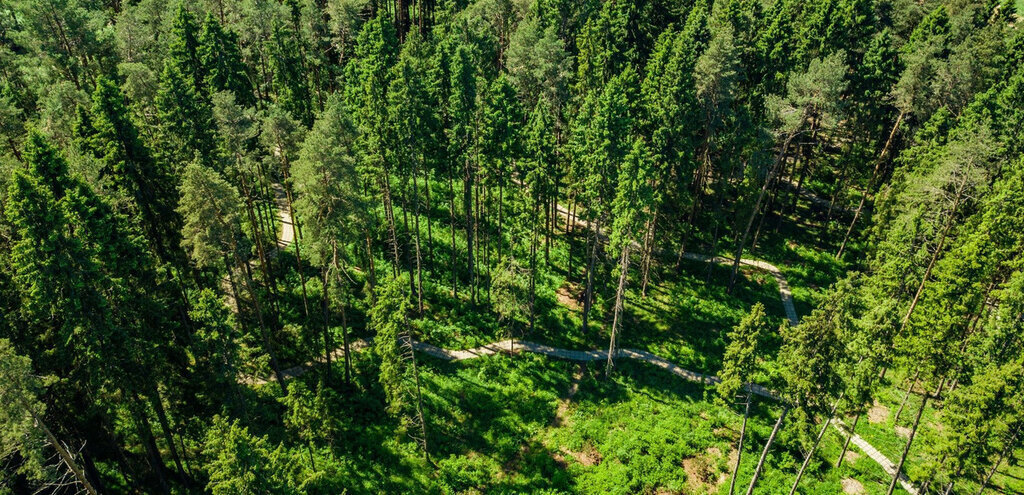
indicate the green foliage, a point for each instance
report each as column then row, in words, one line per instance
column 240, row 463
column 740, row 360
column 210, row 208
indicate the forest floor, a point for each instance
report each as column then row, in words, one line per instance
column 677, row 326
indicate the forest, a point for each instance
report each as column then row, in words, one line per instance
column 511, row 246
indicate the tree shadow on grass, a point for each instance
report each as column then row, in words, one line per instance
column 491, row 408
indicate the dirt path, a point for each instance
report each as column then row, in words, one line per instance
column 286, row 237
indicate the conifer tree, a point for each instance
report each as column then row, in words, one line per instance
column 632, row 206
column 108, row 132
column 291, row 86
column 399, row 375
column 212, row 234
column 738, row 364
column 221, row 60
column 330, row 199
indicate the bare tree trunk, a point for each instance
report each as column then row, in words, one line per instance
column 620, row 295
column 325, row 305
column 910, row 441
column 757, row 206
column 645, row 263
column 588, row 292
column 470, row 219
column 165, row 425
column 451, row 211
column 430, row 234
column 739, row 447
column 419, row 255
column 906, row 395
column 767, row 447
column 871, row 183
column 344, row 323
column 814, row 448
column 846, row 444
column 65, row 456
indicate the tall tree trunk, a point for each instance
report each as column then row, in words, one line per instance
column 648, row 248
column 267, row 340
column 620, row 295
column 846, row 443
column 910, row 441
column 467, row 207
column 145, row 432
column 65, row 456
column 588, row 293
column 906, row 395
column 344, row 324
column 451, row 211
column 416, row 241
column 165, row 426
column 871, row 184
column 935, row 255
column 325, row 308
column 739, row 447
column 757, row 206
column 1006, row 449
column 814, row 447
column 430, row 234
column 371, row 265
column 767, row 447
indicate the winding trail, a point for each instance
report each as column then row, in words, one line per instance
column 287, row 236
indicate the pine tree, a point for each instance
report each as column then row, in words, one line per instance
column 330, row 199
column 367, row 97
column 221, row 60
column 738, row 364
column 291, row 86
column 631, row 208
column 109, row 133
column 212, row 234
column 389, row 318
column 599, row 145
column 462, row 114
